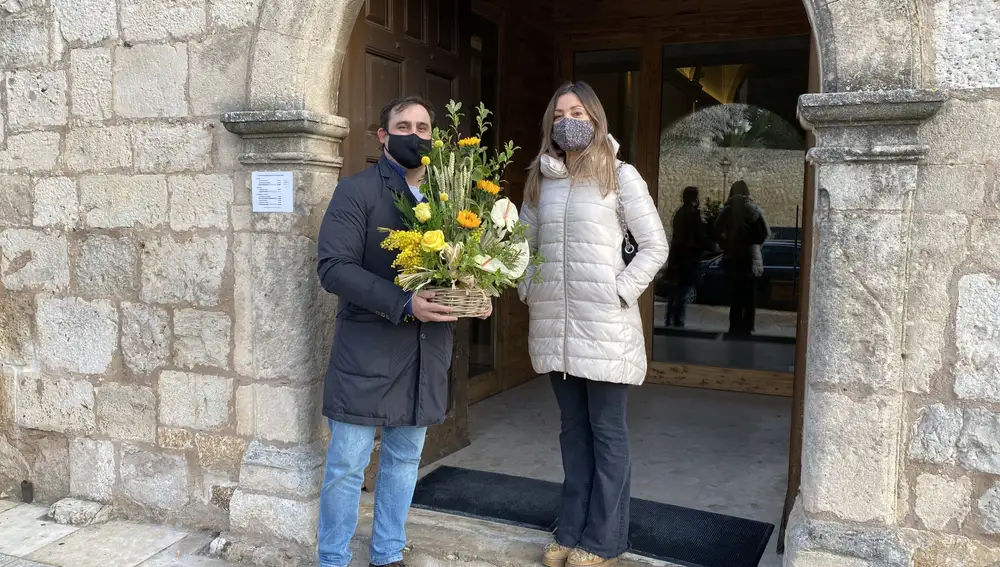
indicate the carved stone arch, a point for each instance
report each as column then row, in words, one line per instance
column 298, row 51
column 866, row 44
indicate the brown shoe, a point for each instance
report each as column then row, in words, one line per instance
column 581, row 558
column 555, row 555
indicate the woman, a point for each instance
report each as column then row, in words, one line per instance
column 584, row 325
column 688, row 240
column 740, row 230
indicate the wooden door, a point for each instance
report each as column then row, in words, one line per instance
column 401, row 48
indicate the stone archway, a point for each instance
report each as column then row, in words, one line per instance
column 868, row 156
column 299, row 48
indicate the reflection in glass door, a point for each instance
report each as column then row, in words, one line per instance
column 730, row 185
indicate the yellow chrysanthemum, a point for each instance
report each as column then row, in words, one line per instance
column 443, row 197
column 425, row 160
column 469, row 219
column 468, row 142
column 488, row 186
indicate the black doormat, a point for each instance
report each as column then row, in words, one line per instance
column 660, row 531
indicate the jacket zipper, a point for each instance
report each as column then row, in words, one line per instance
column 565, row 286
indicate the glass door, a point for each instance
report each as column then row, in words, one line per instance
column 730, row 181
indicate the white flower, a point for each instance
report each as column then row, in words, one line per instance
column 504, row 215
column 514, row 271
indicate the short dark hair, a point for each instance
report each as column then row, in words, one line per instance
column 690, row 195
column 401, row 104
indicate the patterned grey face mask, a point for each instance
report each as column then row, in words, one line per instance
column 573, row 134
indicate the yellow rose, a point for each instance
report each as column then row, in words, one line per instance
column 425, row 160
column 433, row 241
column 423, row 212
column 443, row 197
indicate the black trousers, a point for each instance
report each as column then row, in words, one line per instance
column 594, row 513
column 743, row 308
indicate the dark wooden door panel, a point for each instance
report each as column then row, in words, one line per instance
column 378, row 12
column 440, row 87
column 401, row 47
column 383, row 83
column 415, row 20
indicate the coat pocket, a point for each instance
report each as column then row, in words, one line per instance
column 361, row 350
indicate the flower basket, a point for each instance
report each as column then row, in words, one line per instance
column 464, row 242
column 463, row 302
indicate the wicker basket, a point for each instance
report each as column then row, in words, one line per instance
column 463, row 302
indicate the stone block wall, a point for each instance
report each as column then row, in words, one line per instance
column 154, row 333
column 901, row 460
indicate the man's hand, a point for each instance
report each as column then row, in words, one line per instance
column 428, row 312
column 486, row 315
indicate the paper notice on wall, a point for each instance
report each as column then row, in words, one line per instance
column 272, row 191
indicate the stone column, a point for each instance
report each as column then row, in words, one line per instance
column 283, row 325
column 867, row 157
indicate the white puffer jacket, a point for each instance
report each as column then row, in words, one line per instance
column 577, row 322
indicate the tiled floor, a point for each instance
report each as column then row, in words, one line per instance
column 28, row 540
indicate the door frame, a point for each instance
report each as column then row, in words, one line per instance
column 801, row 347
column 490, row 383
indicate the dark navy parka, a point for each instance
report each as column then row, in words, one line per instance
column 383, row 371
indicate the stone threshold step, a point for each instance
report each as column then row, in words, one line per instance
column 441, row 540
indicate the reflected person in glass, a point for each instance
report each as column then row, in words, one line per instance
column 740, row 230
column 688, row 241
column 584, row 325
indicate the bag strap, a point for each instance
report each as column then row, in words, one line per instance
column 629, row 245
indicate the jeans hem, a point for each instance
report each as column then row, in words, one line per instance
column 561, row 542
column 603, row 554
column 379, row 562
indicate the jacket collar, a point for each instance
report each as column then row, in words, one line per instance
column 394, row 180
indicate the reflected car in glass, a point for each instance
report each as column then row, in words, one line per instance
column 775, row 288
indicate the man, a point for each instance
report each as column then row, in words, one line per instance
column 386, row 370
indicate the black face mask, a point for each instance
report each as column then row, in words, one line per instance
column 407, row 149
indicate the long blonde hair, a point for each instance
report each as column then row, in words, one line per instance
column 596, row 162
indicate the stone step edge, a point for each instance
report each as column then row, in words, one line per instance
column 435, row 540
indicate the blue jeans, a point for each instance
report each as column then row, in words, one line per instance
column 346, row 459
